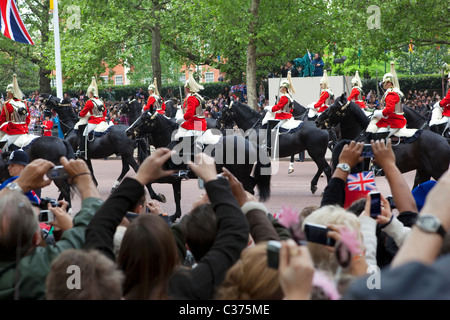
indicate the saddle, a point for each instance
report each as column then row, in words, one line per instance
column 404, row 135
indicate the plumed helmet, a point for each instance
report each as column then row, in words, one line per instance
column 191, row 84
column 288, row 83
column 392, row 77
column 154, row 87
column 356, row 80
column 324, row 80
column 93, row 88
column 14, row 88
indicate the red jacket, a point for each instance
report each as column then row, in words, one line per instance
column 47, row 126
column 445, row 104
column 93, row 119
column 6, row 121
column 321, row 103
column 192, row 122
column 393, row 120
column 354, row 96
column 280, row 115
column 151, row 100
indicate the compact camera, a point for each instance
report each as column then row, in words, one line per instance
column 57, row 173
column 318, row 234
column 367, row 151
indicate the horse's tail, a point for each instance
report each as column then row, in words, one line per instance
column 263, row 175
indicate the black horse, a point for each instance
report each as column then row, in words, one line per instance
column 233, row 152
column 115, row 141
column 308, row 138
column 429, row 154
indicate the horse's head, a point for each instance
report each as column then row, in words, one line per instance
column 48, row 100
column 226, row 117
column 143, row 125
column 124, row 107
column 334, row 114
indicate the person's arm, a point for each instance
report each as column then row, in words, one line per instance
column 231, row 239
column 101, row 229
column 87, row 108
column 385, row 158
column 391, row 100
column 192, row 104
column 335, row 190
column 421, row 246
column 280, row 104
column 323, row 97
column 261, row 228
column 353, row 94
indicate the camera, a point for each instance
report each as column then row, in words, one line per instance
column 367, row 151
column 273, row 254
column 390, row 199
column 46, row 216
column 318, row 234
column 57, row 173
column 45, row 201
column 375, row 204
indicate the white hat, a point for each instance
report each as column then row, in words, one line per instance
column 324, row 80
column 357, row 80
column 192, row 84
column 93, row 88
column 154, row 87
column 288, row 83
column 14, row 88
column 392, row 77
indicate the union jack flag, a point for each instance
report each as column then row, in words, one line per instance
column 363, row 181
column 358, row 186
column 11, row 23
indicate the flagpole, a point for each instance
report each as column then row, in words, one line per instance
column 59, row 88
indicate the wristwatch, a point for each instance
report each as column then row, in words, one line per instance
column 344, row 167
column 430, row 223
column 13, row 186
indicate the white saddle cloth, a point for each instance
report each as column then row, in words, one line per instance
column 436, row 116
column 103, row 126
column 288, row 124
column 203, row 137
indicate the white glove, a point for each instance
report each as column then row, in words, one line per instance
column 180, row 119
column 268, row 108
column 378, row 114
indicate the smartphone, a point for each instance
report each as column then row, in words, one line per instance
column 201, row 183
column 57, row 173
column 375, row 204
column 367, row 151
column 46, row 216
column 317, row 233
column 273, row 254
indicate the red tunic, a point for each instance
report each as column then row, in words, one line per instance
column 280, row 115
column 151, row 100
column 445, row 104
column 393, row 120
column 192, row 121
column 48, row 125
column 354, row 96
column 321, row 103
column 93, row 119
column 7, row 124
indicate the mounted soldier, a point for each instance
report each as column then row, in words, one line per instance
column 280, row 115
column 357, row 95
column 154, row 102
column 390, row 119
column 440, row 114
column 14, row 119
column 326, row 95
column 92, row 115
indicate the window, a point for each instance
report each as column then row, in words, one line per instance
column 53, row 83
column 183, row 78
column 104, row 79
column 209, row 76
column 118, row 80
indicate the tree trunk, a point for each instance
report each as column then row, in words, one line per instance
column 44, row 81
column 156, row 51
column 252, row 96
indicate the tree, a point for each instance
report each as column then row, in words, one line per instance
column 37, row 20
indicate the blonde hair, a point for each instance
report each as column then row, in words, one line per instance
column 250, row 278
column 326, row 215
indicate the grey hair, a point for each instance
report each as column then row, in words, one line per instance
column 18, row 225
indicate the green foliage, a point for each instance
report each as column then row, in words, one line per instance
column 430, row 82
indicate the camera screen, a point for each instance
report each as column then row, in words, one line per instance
column 375, row 204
